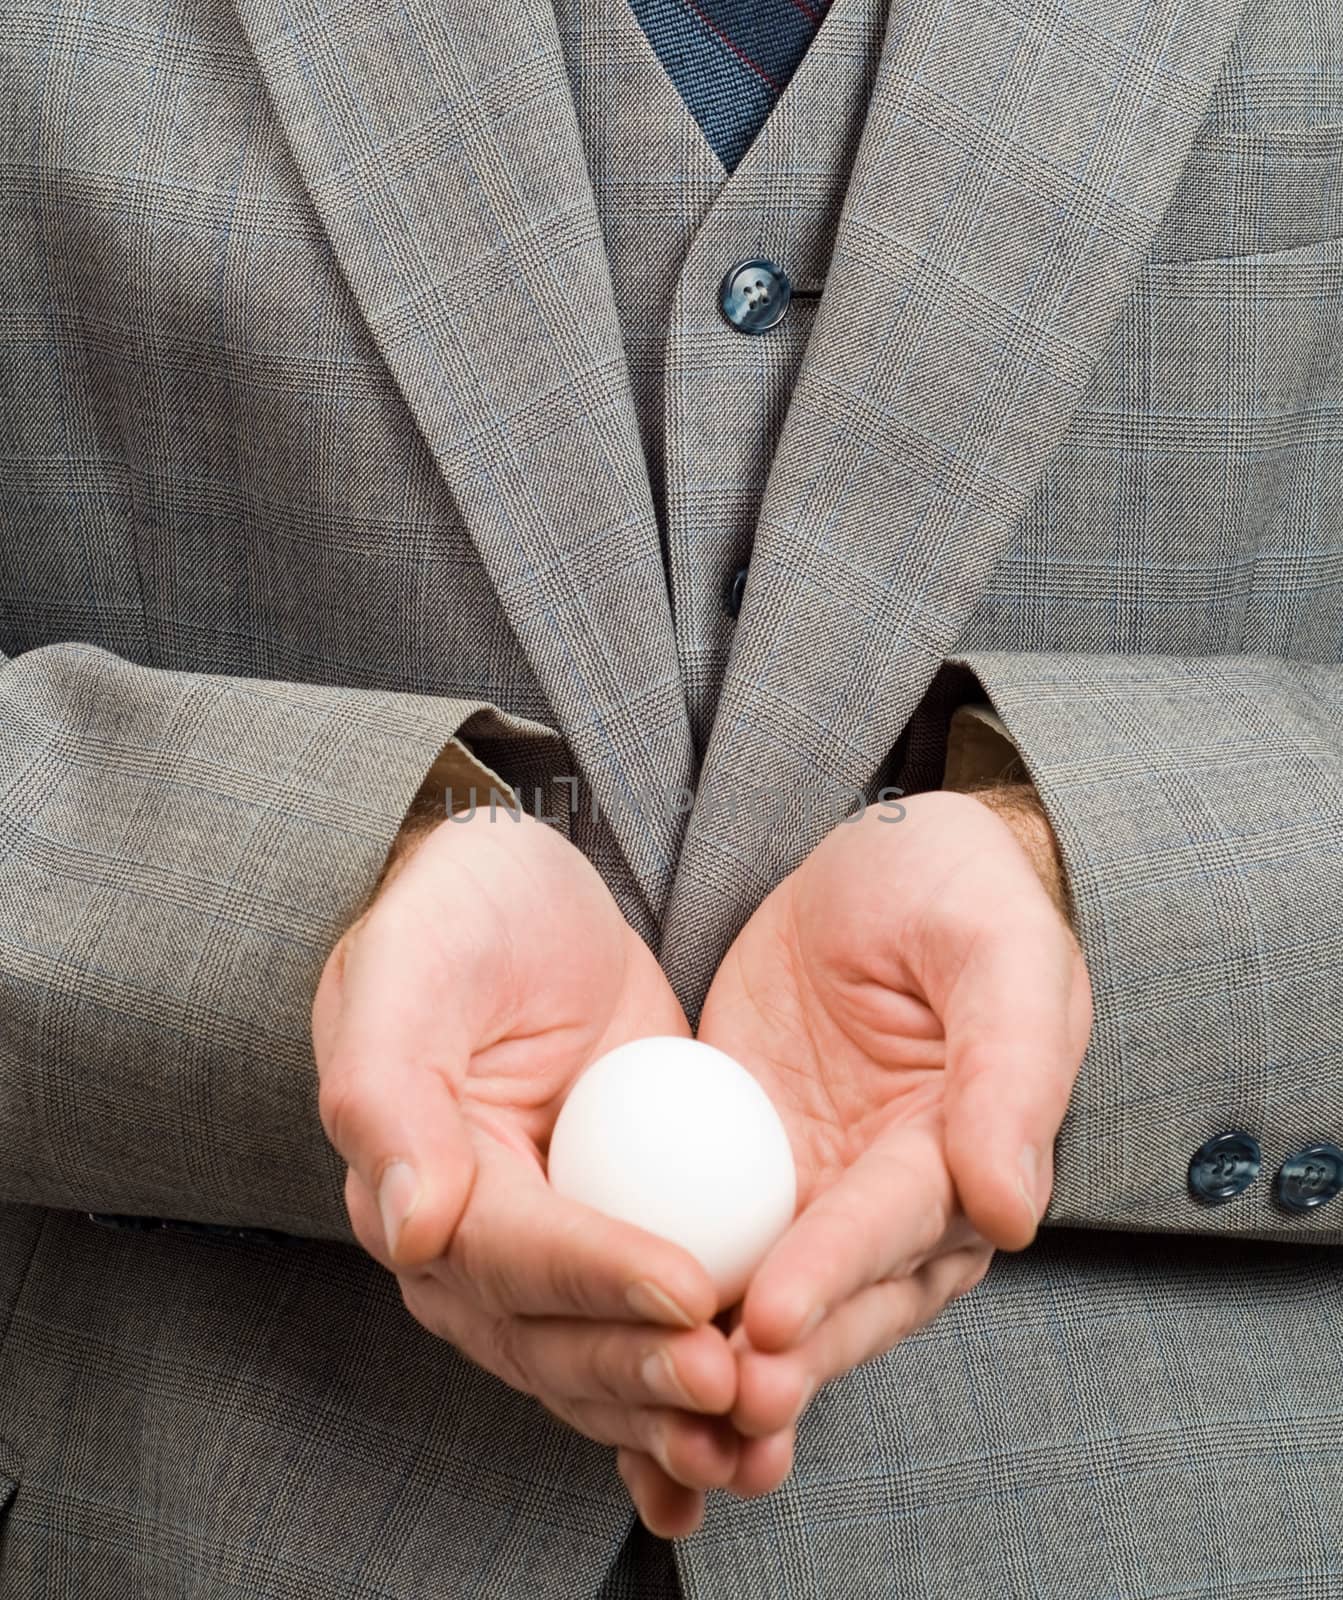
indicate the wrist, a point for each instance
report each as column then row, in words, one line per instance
column 420, row 821
column 455, row 781
column 1018, row 805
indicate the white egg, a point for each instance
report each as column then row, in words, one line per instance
column 678, row 1138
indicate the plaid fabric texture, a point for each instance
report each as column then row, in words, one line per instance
column 729, row 59
column 323, row 441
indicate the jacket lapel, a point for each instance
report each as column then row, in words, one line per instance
column 441, row 151
column 1014, row 165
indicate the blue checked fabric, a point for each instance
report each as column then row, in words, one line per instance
column 730, row 59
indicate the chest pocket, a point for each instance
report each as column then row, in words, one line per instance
column 1195, row 504
column 1255, row 192
column 1265, row 170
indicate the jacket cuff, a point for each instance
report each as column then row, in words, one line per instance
column 1194, row 802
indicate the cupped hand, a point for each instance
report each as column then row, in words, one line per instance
column 917, row 1009
column 449, row 1023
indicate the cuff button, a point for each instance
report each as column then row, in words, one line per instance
column 1225, row 1166
column 1310, row 1177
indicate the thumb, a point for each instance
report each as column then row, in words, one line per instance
column 1011, row 1061
column 389, row 1053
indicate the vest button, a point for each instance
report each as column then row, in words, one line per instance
column 736, row 588
column 755, row 295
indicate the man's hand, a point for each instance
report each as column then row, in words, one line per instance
column 450, row 1021
column 917, row 1008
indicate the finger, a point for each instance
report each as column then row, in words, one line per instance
column 522, row 1249
column 386, row 1067
column 882, row 1216
column 666, row 1508
column 774, row 1389
column 362, row 1205
column 625, row 1364
column 1012, row 1059
column 764, row 1463
column 697, row 1452
column 524, row 1252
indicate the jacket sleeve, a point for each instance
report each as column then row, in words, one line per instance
column 1198, row 807
column 179, row 852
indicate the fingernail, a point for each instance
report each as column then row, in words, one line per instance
column 658, row 1448
column 398, row 1191
column 658, row 1371
column 808, row 1389
column 810, row 1326
column 1029, row 1181
column 646, row 1300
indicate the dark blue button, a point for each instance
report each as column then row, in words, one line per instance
column 1224, row 1167
column 736, row 588
column 755, row 295
column 1310, row 1177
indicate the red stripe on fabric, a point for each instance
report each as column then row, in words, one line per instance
column 801, row 5
column 712, row 26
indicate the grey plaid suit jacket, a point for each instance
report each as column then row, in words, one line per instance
column 318, row 452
